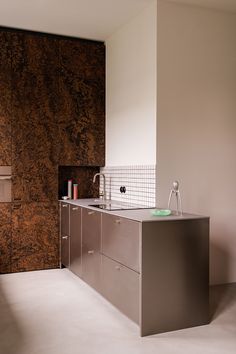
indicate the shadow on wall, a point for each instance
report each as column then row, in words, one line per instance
column 219, row 271
column 222, row 297
column 11, row 335
column 219, row 263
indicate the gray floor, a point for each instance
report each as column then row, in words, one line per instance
column 54, row 312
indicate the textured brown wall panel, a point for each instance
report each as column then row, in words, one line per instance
column 85, row 58
column 38, row 186
column 34, row 236
column 5, row 98
column 52, row 112
column 35, row 145
column 5, row 138
column 82, row 104
column 81, row 175
column 5, row 238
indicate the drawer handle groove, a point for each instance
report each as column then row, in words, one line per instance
column 65, row 237
column 118, row 221
column 91, row 252
column 64, row 205
column 75, row 208
column 117, row 267
column 91, row 212
column 16, row 206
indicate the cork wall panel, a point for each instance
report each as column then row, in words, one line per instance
column 83, row 176
column 85, row 58
column 35, row 145
column 52, row 113
column 34, row 236
column 35, row 186
column 82, row 104
column 5, row 98
column 5, row 238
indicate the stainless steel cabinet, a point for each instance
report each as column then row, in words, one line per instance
column 75, row 240
column 65, row 234
column 120, row 285
column 121, row 263
column 91, row 246
column 121, row 240
column 155, row 272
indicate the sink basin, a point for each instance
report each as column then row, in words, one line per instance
column 107, row 206
column 121, row 206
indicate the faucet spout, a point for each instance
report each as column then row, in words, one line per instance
column 103, row 194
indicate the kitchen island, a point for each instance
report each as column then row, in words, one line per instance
column 153, row 269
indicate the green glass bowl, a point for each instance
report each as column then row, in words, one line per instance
column 161, row 212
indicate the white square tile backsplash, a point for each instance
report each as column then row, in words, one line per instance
column 139, row 181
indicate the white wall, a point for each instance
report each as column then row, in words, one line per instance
column 196, row 124
column 131, row 92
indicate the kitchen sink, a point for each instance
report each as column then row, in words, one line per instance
column 118, row 206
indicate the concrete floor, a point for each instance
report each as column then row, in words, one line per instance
column 54, row 312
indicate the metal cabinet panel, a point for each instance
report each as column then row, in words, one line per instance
column 121, row 240
column 65, row 219
column 175, row 275
column 91, row 246
column 75, row 240
column 65, row 251
column 65, row 232
column 120, row 285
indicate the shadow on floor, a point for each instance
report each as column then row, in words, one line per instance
column 222, row 297
column 11, row 335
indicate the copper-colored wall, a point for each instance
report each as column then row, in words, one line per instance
column 81, row 107
column 5, row 99
column 35, row 143
column 5, row 237
column 52, row 113
column 80, row 175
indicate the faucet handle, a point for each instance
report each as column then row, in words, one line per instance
column 102, row 194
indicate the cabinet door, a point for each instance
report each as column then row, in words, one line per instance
column 121, row 240
column 34, row 236
column 34, row 129
column 120, row 285
column 5, row 98
column 5, row 238
column 65, row 234
column 91, row 240
column 75, row 240
column 82, row 103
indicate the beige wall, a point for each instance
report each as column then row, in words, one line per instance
column 196, row 121
column 131, row 91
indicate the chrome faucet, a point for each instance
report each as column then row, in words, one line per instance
column 103, row 193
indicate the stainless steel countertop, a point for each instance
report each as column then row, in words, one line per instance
column 140, row 215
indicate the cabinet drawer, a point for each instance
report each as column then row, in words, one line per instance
column 91, row 229
column 120, row 285
column 91, row 246
column 65, row 251
column 121, row 240
column 65, row 228
column 75, row 240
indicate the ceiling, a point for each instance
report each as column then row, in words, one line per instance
column 92, row 19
